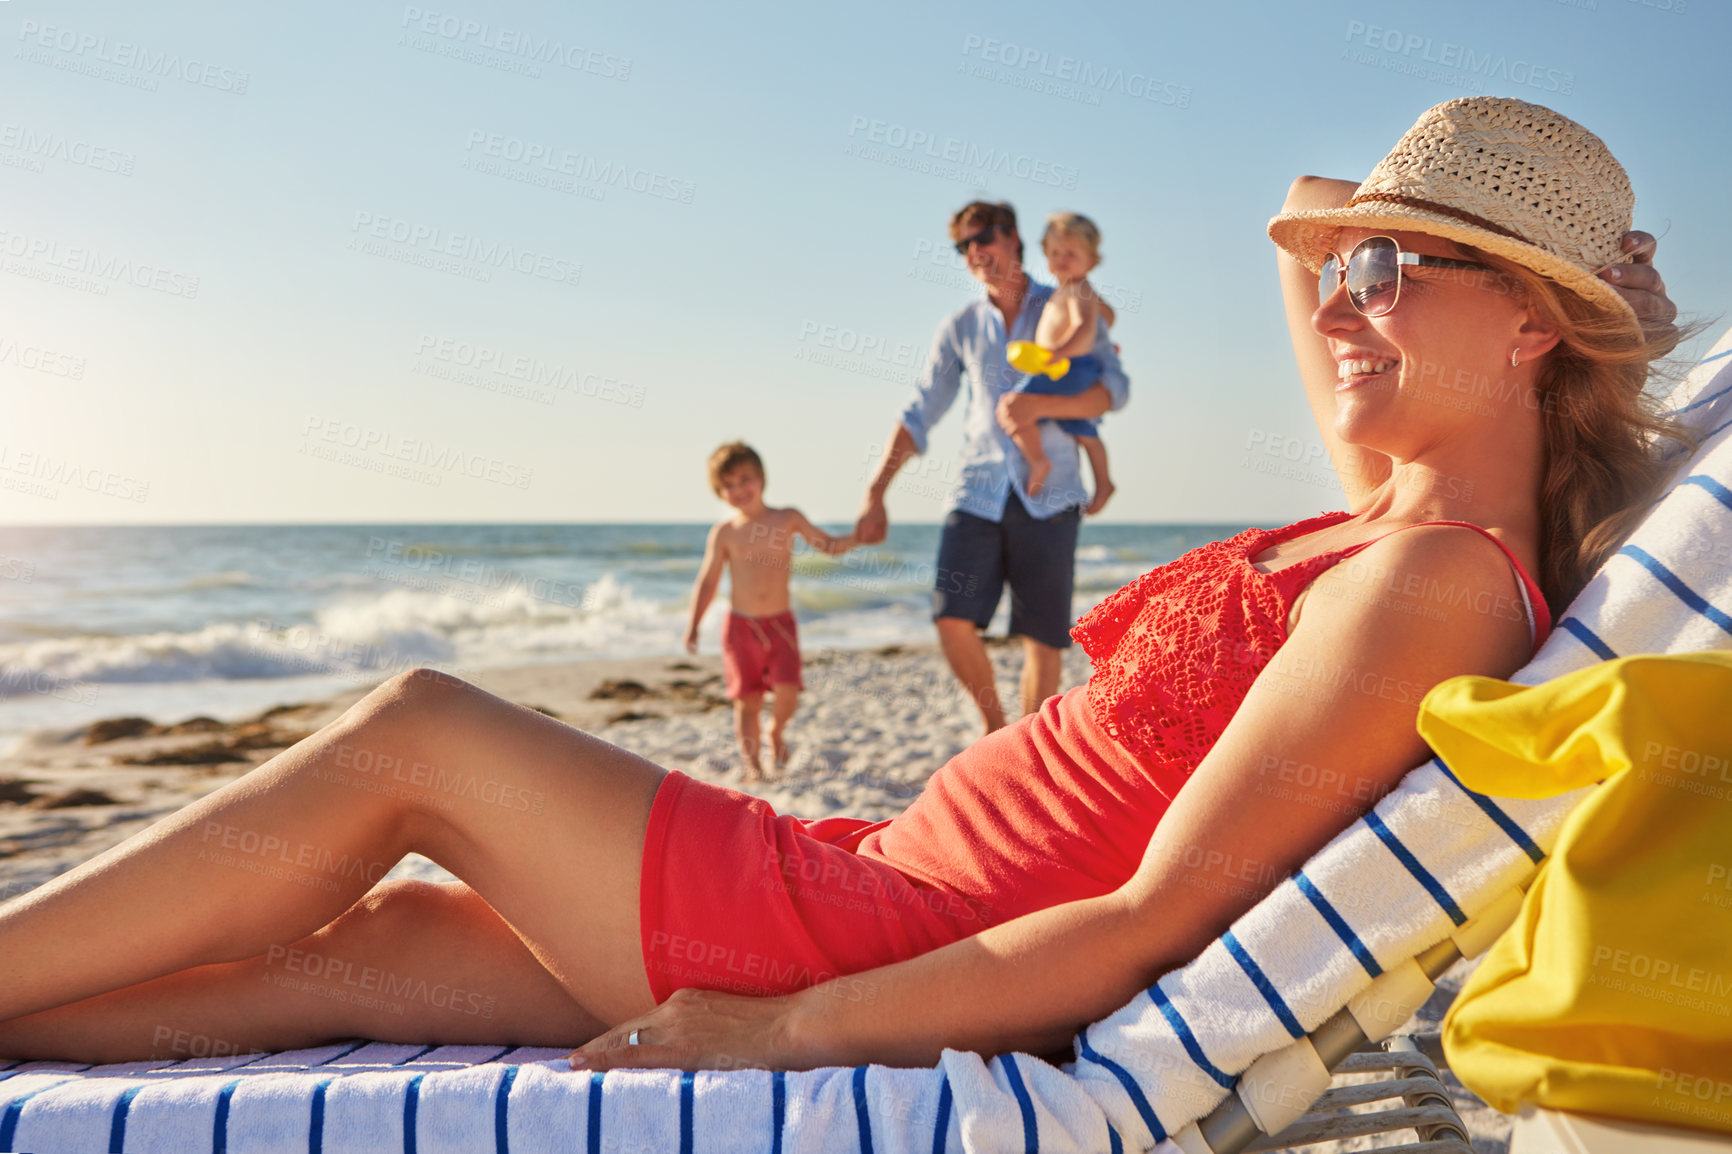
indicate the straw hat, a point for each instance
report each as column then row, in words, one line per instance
column 1504, row 176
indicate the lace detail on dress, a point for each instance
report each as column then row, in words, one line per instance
column 1176, row 650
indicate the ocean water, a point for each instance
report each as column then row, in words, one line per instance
column 227, row 620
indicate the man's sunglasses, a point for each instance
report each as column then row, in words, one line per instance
column 1372, row 273
column 984, row 236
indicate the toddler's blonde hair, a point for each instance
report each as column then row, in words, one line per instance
column 1074, row 224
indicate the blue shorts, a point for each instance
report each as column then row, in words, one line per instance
column 1084, row 374
column 976, row 557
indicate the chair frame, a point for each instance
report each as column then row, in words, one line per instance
column 1346, row 1043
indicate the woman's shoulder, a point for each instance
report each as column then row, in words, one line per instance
column 1461, row 549
column 1425, row 579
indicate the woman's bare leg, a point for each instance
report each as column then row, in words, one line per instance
column 544, row 822
column 411, row 962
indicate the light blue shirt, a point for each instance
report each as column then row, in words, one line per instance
column 970, row 346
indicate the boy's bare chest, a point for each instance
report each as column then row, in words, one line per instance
column 761, row 546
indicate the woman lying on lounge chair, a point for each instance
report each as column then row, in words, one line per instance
column 1476, row 366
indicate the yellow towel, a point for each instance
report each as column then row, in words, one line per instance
column 1612, row 993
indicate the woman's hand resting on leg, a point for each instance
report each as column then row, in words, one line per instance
column 698, row 1030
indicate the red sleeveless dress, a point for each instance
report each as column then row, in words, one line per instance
column 1056, row 807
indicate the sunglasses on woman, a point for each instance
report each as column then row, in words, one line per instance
column 984, row 236
column 1372, row 273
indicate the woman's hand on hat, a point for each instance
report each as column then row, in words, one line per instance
column 1639, row 283
column 696, row 1030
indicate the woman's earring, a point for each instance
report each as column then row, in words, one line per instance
column 1513, row 363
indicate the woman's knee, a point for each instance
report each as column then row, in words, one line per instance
column 413, row 709
column 408, row 901
column 419, row 691
column 401, row 912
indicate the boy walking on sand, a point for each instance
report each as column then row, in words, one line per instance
column 760, row 644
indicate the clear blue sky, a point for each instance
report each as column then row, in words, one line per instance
column 680, row 216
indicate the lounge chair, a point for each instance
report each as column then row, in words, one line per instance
column 1431, row 864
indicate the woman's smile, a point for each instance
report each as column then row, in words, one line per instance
column 1357, row 367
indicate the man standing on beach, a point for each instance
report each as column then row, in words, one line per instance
column 994, row 532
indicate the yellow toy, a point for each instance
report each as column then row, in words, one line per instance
column 1028, row 357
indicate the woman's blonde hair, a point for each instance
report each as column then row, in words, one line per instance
column 1603, row 435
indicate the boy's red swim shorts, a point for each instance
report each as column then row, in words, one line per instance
column 760, row 652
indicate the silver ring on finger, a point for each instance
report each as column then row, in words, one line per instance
column 631, row 1038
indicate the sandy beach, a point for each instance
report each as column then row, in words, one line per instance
column 873, row 725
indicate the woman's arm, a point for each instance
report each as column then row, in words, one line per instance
column 1326, row 730
column 1361, row 470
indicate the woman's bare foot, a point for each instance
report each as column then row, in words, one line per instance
column 1103, row 493
column 779, row 749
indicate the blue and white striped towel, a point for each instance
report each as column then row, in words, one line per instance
column 1428, row 857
